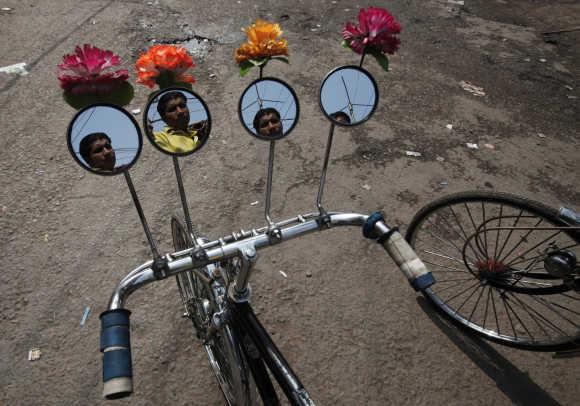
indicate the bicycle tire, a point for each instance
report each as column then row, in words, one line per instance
column 223, row 348
column 493, row 245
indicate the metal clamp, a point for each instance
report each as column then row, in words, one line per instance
column 159, row 267
column 274, row 235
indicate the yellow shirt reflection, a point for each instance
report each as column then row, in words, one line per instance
column 176, row 141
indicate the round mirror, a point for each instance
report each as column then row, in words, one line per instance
column 269, row 109
column 177, row 121
column 348, row 95
column 104, row 139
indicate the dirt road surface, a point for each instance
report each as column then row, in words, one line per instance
column 355, row 332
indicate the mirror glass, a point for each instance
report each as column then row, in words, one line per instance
column 177, row 121
column 104, row 139
column 269, row 109
column 348, row 95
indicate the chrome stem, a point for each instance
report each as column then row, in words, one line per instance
column 188, row 223
column 269, row 184
column 324, row 169
column 141, row 214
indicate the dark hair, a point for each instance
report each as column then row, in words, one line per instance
column 261, row 113
column 87, row 141
column 342, row 114
column 166, row 98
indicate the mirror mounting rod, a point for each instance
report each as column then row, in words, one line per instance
column 269, row 184
column 323, row 174
column 192, row 232
column 141, row 215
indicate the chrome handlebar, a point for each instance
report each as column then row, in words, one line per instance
column 228, row 247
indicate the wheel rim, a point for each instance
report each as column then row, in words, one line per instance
column 487, row 256
column 222, row 349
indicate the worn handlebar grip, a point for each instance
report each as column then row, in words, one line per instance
column 408, row 261
column 116, row 349
column 399, row 249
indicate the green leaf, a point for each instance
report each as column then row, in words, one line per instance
column 345, row 44
column 381, row 59
column 260, row 62
column 281, row 59
column 245, row 68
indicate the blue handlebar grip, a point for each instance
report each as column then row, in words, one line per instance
column 116, row 349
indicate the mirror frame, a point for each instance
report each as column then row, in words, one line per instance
column 118, row 108
column 374, row 83
column 151, row 138
column 292, row 92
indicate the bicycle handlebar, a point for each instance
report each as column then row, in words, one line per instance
column 115, row 335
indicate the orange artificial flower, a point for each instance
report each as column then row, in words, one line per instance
column 262, row 42
column 164, row 62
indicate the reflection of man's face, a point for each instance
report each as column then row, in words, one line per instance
column 102, row 155
column 176, row 113
column 270, row 125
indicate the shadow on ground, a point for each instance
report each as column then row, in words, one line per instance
column 514, row 383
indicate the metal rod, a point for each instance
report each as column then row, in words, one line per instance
column 141, row 214
column 269, row 183
column 362, row 58
column 324, row 168
column 188, row 223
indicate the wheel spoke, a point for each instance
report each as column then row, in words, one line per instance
column 549, row 305
column 519, row 320
column 497, row 233
column 516, row 221
column 447, row 242
column 476, row 303
column 522, row 239
column 463, row 291
column 525, row 308
column 467, row 241
column 474, row 228
column 465, row 301
column 452, row 270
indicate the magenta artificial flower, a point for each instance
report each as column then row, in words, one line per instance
column 84, row 71
column 377, row 30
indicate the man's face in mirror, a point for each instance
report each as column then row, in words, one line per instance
column 341, row 117
column 269, row 124
column 176, row 113
column 102, row 155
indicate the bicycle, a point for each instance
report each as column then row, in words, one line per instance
column 506, row 267
column 213, row 275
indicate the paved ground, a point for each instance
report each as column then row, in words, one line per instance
column 355, row 331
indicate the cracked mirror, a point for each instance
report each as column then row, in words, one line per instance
column 269, row 109
column 104, row 139
column 177, row 121
column 348, row 96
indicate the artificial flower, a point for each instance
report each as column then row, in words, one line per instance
column 263, row 43
column 164, row 65
column 88, row 71
column 377, row 34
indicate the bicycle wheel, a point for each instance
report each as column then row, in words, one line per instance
column 489, row 254
column 223, row 348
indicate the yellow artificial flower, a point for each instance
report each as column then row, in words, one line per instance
column 262, row 42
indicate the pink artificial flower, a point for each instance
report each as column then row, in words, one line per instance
column 84, row 71
column 376, row 29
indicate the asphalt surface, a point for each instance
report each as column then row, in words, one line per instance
column 344, row 316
